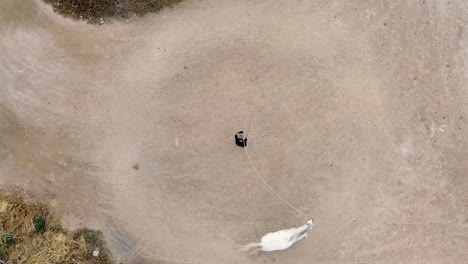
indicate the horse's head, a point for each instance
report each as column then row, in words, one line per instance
column 309, row 223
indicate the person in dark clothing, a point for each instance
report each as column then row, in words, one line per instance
column 241, row 140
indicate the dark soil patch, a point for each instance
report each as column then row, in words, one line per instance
column 99, row 11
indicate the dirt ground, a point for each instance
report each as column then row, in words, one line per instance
column 361, row 120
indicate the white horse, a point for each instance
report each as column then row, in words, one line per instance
column 280, row 240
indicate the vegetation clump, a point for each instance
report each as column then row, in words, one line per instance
column 30, row 234
column 98, row 11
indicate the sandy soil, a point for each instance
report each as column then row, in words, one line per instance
column 361, row 120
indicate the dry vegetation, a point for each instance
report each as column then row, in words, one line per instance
column 97, row 11
column 29, row 234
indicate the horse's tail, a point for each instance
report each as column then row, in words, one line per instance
column 249, row 246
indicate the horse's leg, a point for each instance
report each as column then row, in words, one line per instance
column 304, row 235
column 299, row 232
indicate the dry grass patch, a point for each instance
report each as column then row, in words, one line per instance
column 29, row 234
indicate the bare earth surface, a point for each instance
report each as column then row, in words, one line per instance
column 361, row 120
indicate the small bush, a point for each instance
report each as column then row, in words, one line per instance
column 39, row 226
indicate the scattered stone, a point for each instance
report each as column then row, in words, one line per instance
column 96, row 252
